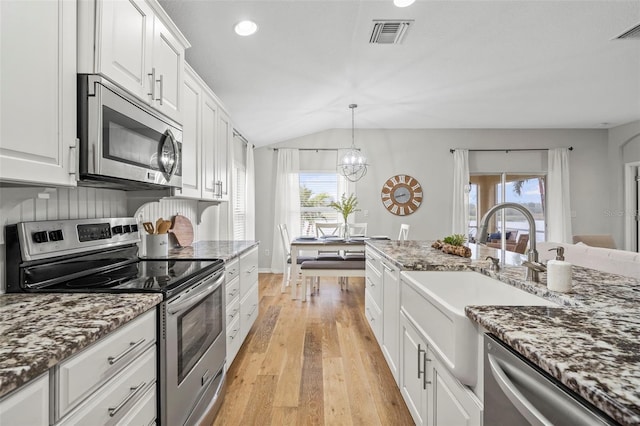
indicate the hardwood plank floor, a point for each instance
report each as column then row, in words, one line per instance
column 314, row 362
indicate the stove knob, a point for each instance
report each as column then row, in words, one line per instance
column 56, row 235
column 40, row 237
column 134, row 228
column 117, row 229
column 126, row 229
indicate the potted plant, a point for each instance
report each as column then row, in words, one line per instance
column 345, row 207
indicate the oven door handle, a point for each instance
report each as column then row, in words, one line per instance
column 181, row 305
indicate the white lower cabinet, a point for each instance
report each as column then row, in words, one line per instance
column 433, row 395
column 110, row 380
column 242, row 304
column 28, row 406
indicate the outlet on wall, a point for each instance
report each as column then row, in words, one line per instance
column 267, row 252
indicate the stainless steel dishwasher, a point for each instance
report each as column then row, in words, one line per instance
column 518, row 393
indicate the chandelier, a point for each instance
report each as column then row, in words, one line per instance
column 352, row 164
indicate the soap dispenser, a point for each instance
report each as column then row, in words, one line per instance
column 559, row 272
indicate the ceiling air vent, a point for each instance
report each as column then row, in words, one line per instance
column 389, row 32
column 633, row 32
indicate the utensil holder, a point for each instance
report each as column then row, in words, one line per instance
column 156, row 245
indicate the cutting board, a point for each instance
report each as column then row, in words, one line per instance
column 182, row 230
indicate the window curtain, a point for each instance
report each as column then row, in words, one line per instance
column 460, row 208
column 250, row 194
column 558, row 197
column 287, row 202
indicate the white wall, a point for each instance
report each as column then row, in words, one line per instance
column 424, row 154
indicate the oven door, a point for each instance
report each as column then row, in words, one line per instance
column 121, row 138
column 194, row 347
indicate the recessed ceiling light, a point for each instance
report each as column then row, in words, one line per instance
column 246, row 28
column 403, row 3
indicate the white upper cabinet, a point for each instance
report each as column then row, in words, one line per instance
column 38, row 92
column 207, row 134
column 137, row 46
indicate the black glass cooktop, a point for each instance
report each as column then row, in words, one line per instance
column 154, row 276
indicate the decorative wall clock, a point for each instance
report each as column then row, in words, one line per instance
column 401, row 195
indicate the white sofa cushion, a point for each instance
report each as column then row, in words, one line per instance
column 614, row 261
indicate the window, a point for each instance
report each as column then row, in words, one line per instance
column 239, row 202
column 488, row 190
column 317, row 190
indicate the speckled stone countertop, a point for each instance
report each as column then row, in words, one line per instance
column 225, row 250
column 590, row 343
column 37, row 331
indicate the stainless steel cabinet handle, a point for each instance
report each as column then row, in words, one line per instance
column 233, row 293
column 425, row 382
column 253, row 268
column 113, row 411
column 113, row 359
column 233, row 314
column 234, row 333
column 420, row 351
column 161, row 81
column 253, row 310
column 153, row 84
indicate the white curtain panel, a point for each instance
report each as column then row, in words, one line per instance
column 250, row 195
column 287, row 202
column 460, row 207
column 558, row 197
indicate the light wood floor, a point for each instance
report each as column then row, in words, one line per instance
column 314, row 362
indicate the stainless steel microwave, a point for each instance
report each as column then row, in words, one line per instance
column 124, row 144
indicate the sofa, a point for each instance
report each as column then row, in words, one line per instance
column 614, row 261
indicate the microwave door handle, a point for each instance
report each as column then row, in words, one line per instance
column 511, row 391
column 181, row 305
column 176, row 148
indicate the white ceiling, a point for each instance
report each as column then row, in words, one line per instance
column 463, row 64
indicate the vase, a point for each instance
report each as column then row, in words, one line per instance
column 345, row 232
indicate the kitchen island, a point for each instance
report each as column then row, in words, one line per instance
column 589, row 342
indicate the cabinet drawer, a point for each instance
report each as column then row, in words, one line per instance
column 249, row 307
column 81, row 374
column 114, row 401
column 144, row 412
column 374, row 316
column 248, row 270
column 232, row 269
column 232, row 289
column 233, row 340
column 233, row 310
column 373, row 286
column 28, row 405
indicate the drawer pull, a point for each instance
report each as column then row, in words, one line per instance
column 234, row 292
column 134, row 391
column 232, row 314
column 113, row 359
column 253, row 268
column 253, row 310
column 234, row 333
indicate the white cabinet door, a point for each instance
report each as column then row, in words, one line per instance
column 38, row 92
column 223, row 148
column 209, row 133
column 391, row 317
column 450, row 403
column 124, row 53
column 28, row 406
column 413, row 382
column 191, row 137
column 168, row 61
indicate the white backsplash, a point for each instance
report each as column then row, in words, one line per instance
column 30, row 204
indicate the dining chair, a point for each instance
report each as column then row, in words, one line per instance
column 356, row 230
column 329, row 229
column 286, row 247
column 404, row 232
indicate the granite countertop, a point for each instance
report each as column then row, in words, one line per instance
column 37, row 331
column 225, row 250
column 589, row 342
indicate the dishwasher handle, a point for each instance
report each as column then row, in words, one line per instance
column 511, row 391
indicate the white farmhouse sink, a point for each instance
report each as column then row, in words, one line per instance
column 435, row 301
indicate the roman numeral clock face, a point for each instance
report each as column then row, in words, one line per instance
column 401, row 195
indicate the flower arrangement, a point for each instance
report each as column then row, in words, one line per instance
column 345, row 206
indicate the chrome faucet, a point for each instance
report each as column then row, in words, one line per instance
column 532, row 255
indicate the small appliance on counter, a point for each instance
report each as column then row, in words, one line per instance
column 101, row 255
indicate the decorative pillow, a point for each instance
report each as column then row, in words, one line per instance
column 498, row 235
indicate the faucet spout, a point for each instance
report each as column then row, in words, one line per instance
column 532, row 254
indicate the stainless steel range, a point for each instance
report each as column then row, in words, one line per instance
column 101, row 255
